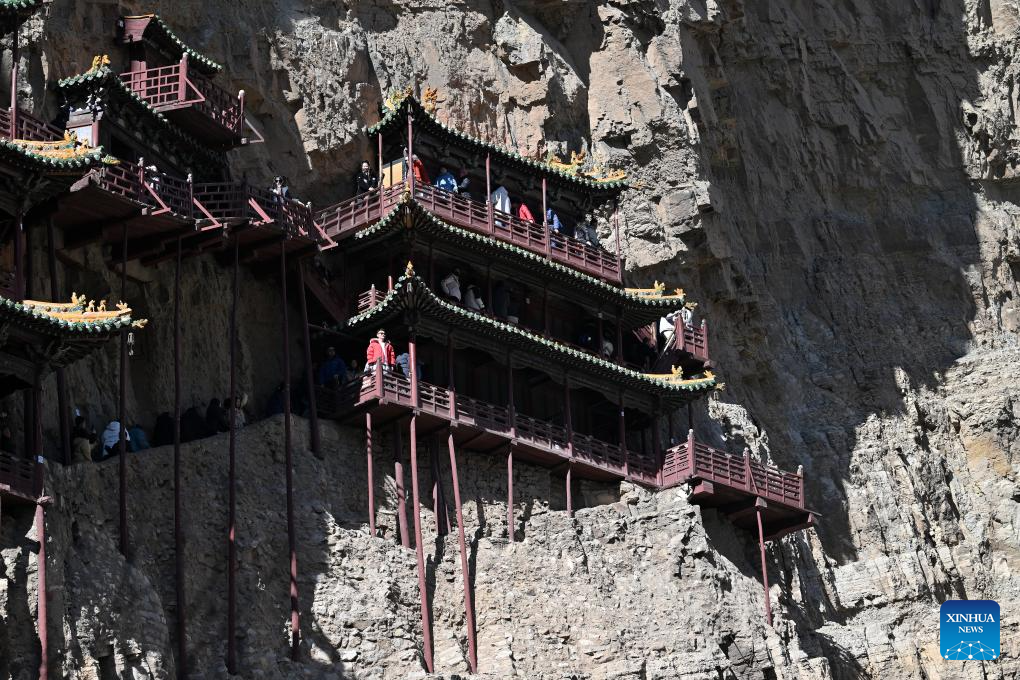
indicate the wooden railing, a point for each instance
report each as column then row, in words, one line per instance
column 697, row 461
column 356, row 213
column 237, row 201
column 176, row 86
column 369, row 299
column 20, row 475
column 155, row 189
column 692, row 339
column 28, row 127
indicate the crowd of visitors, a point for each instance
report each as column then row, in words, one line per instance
column 366, row 180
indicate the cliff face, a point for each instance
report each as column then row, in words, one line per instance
column 835, row 183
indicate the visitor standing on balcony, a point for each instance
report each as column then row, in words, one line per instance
column 421, row 176
column 524, row 213
column 501, row 199
column 332, row 367
column 446, row 181
column 553, row 220
column 280, row 190
column 473, row 299
column 365, row 180
column 380, row 351
column 667, row 325
column 464, row 184
column 585, row 231
column 111, row 439
column 451, row 285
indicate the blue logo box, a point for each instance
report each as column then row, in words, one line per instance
column 969, row 630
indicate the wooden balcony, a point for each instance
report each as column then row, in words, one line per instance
column 482, row 426
column 28, row 127
column 20, row 479
column 192, row 101
column 734, row 484
column 352, row 215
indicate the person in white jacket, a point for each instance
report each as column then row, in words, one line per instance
column 501, row 199
column 451, row 285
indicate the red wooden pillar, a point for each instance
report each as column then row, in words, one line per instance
column 657, row 446
column 41, row 612
column 619, row 336
column 313, row 415
column 764, row 570
column 469, row 609
column 510, row 524
column 122, row 398
column 380, row 165
column 232, row 483
column 179, row 537
column 567, row 419
column 63, row 412
column 623, row 439
column 426, row 618
column 511, row 408
column 616, row 228
column 182, row 79
column 439, row 508
column 398, row 474
column 295, row 622
column 488, row 191
column 545, row 210
column 371, row 476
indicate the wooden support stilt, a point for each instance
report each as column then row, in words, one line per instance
column 426, row 616
column 313, row 414
column 469, row 609
column 623, row 439
column 398, row 474
column 764, row 570
column 510, row 524
column 121, row 406
column 63, row 414
column 371, row 476
column 232, row 483
column 570, row 493
column 295, row 622
column 438, row 500
column 41, row 612
column 179, row 537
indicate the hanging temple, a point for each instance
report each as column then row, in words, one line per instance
column 493, row 299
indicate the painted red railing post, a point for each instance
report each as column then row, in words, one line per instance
column 749, row 482
column 378, row 137
column 410, row 150
column 15, row 66
column 704, row 337
column 657, row 447
column 412, row 360
column 510, row 492
column 488, row 193
column 801, row 503
column 141, row 181
column 567, row 415
column 239, row 123
column 690, row 451
column 389, row 283
column 370, row 473
column 379, row 387
column 182, row 78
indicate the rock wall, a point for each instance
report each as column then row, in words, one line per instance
column 834, row 182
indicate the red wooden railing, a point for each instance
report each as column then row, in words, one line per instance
column 697, row 461
column 28, row 127
column 20, row 475
column 176, row 86
column 235, row 201
column 692, row 339
column 356, row 213
column 159, row 191
column 369, row 299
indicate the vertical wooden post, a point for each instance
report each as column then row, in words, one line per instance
column 19, row 255
column 182, row 79
column 488, row 191
column 371, row 476
column 15, row 66
column 410, row 150
column 764, row 570
column 426, row 618
column 545, row 309
column 570, row 492
column 619, row 336
column 616, row 228
column 179, row 537
column 412, row 359
column 121, row 399
column 42, row 607
column 63, row 412
column 598, row 340
column 510, row 524
column 439, row 508
column 545, row 209
column 398, row 474
column 657, row 445
column 567, row 419
column 704, row 337
column 378, row 137
column 313, row 415
column 623, row 439
column 295, row 623
column 469, row 609
column 511, row 409
column 232, row 483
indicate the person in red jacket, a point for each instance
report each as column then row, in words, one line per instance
column 379, row 350
column 421, row 176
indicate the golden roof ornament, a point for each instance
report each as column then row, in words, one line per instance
column 409, row 270
column 430, row 100
column 396, row 98
column 98, row 62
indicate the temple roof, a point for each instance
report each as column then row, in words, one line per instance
column 63, row 157
column 395, row 120
column 152, row 28
column 639, row 309
column 15, row 12
column 410, row 293
column 69, row 318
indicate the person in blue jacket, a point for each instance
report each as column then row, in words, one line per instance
column 446, row 181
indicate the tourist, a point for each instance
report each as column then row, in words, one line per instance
column 380, row 351
column 451, row 285
column 214, row 416
column 446, row 181
column 163, row 432
column 464, row 184
column 280, row 190
column 552, row 220
column 111, row 439
column 136, row 435
column 404, row 362
column 421, row 176
column 607, row 348
column 501, row 199
column 238, row 413
column 352, row 370
column 332, row 367
column 585, row 231
column 524, row 213
column 667, row 326
column 473, row 299
column 365, row 180
column 687, row 314
column 82, row 441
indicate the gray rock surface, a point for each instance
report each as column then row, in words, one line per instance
column 834, row 182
